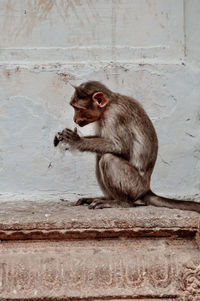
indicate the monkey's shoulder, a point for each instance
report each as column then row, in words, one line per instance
column 129, row 104
column 124, row 110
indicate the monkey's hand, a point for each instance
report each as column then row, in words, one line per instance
column 69, row 137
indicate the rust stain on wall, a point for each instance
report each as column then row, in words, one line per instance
column 45, row 5
column 149, row 3
column 7, row 73
column 66, row 77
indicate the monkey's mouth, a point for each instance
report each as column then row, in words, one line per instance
column 82, row 123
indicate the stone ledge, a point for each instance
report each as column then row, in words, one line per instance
column 57, row 220
column 50, row 251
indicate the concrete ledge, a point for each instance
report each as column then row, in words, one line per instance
column 49, row 220
column 50, row 251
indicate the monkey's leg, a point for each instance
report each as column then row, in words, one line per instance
column 107, row 196
column 83, row 201
column 104, row 189
column 122, row 181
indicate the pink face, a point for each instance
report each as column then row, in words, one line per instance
column 89, row 110
column 83, row 116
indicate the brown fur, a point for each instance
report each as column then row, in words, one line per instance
column 126, row 146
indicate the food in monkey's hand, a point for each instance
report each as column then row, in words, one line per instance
column 66, row 137
column 56, row 141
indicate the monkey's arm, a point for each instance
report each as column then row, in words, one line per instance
column 89, row 143
column 99, row 145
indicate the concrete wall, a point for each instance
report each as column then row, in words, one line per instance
column 147, row 49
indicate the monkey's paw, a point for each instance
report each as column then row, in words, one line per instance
column 69, row 136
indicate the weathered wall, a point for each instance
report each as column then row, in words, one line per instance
column 147, row 49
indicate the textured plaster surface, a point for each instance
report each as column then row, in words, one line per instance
column 145, row 49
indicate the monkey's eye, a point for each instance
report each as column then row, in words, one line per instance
column 79, row 109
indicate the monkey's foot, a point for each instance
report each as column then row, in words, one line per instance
column 87, row 201
column 104, row 203
column 100, row 203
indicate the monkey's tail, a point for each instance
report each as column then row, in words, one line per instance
column 150, row 198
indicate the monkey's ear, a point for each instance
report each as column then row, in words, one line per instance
column 99, row 99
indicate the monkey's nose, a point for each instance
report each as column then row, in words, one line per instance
column 75, row 120
column 79, row 120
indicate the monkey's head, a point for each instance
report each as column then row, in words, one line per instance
column 89, row 102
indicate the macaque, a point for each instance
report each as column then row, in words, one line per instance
column 125, row 144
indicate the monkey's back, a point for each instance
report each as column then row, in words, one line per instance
column 127, row 124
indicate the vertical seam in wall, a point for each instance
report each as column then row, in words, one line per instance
column 113, row 33
column 184, row 28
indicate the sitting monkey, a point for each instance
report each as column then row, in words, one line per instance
column 125, row 144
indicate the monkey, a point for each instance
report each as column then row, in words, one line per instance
column 126, row 147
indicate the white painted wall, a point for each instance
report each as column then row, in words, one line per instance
column 147, row 49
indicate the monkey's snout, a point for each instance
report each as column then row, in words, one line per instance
column 56, row 141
